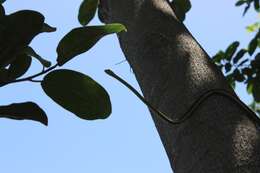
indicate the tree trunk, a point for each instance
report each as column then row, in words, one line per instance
column 173, row 71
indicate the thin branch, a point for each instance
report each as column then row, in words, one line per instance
column 30, row 78
column 36, row 81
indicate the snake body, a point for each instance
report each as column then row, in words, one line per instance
column 188, row 114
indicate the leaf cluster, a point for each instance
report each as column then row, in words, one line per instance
column 242, row 65
column 74, row 91
column 248, row 4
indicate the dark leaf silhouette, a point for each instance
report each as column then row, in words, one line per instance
column 87, row 11
column 239, row 55
column 48, row 28
column 17, row 32
column 19, row 66
column 181, row 7
column 252, row 46
column 24, row 111
column 78, row 94
column 80, row 40
column 231, row 50
column 2, row 11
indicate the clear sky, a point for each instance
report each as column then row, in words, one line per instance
column 127, row 141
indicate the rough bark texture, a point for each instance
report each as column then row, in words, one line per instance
column 173, row 71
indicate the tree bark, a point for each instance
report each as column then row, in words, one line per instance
column 173, row 71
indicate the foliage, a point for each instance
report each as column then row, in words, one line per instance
column 74, row 91
column 79, row 93
column 248, row 4
column 242, row 65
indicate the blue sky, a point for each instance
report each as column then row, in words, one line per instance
column 127, row 141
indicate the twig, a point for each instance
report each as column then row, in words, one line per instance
column 31, row 78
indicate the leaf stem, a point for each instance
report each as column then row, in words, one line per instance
column 31, row 78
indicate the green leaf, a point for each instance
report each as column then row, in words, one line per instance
column 24, row 111
column 232, row 48
column 87, row 11
column 252, row 46
column 249, row 87
column 239, row 55
column 80, row 40
column 253, row 27
column 78, row 94
column 218, row 57
column 19, row 67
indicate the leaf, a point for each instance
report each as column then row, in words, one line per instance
column 2, row 11
column 24, row 25
column 228, row 67
column 230, row 51
column 231, row 81
column 249, row 87
column 218, row 57
column 240, row 2
column 252, row 46
column 18, row 31
column 87, row 11
column 239, row 55
column 185, row 5
column 80, row 40
column 256, row 62
column 242, row 62
column 78, row 94
column 47, row 28
column 181, row 7
column 247, row 71
column 256, row 5
column 3, row 76
column 246, row 8
column 2, row 1
column 253, row 27
column 19, row 67
column 24, row 111
column 238, row 76
column 29, row 51
column 256, row 91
